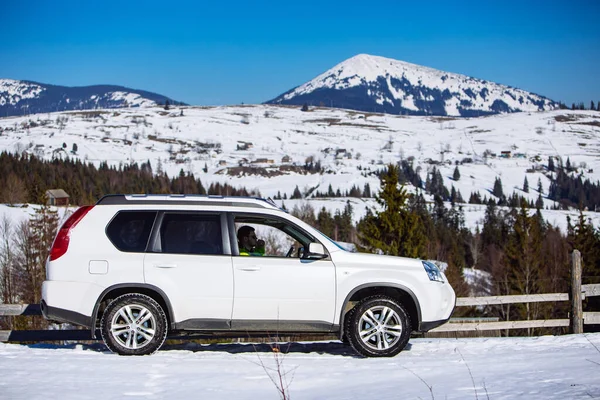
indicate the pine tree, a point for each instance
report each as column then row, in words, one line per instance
column 296, row 194
column 459, row 198
column 456, row 174
column 539, row 203
column 550, row 164
column 523, row 255
column 540, row 187
column 343, row 224
column 330, row 192
column 366, row 190
column 325, row 222
column 395, row 230
column 497, row 191
column 475, row 198
column 586, row 239
column 526, row 186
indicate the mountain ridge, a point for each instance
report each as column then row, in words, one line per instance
column 23, row 97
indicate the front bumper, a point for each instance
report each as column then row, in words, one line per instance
column 448, row 305
column 427, row 326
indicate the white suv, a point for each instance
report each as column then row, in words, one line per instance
column 140, row 266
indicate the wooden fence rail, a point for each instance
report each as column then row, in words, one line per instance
column 577, row 319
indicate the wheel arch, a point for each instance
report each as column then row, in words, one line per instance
column 114, row 291
column 396, row 291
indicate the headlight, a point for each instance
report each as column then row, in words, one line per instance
column 433, row 271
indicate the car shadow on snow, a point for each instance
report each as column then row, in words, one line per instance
column 321, row 347
column 334, row 348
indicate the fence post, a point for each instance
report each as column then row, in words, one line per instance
column 576, row 307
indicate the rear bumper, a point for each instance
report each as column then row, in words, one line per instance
column 71, row 302
column 62, row 315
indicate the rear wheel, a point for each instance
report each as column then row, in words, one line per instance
column 378, row 326
column 134, row 324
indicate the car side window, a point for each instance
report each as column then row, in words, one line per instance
column 129, row 230
column 190, row 233
column 271, row 237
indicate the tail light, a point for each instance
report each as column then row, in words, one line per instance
column 61, row 242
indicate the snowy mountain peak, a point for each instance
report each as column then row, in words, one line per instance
column 372, row 83
column 371, row 67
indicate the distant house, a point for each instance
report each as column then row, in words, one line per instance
column 505, row 154
column 222, row 162
column 244, row 145
column 263, row 161
column 57, row 197
column 286, row 159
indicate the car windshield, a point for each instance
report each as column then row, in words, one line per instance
column 334, row 242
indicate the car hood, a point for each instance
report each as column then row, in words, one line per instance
column 376, row 260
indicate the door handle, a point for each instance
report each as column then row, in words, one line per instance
column 165, row 265
column 249, row 268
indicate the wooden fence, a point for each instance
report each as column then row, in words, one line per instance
column 576, row 321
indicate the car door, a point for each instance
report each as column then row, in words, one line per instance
column 281, row 291
column 190, row 261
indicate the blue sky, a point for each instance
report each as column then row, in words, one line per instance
column 209, row 53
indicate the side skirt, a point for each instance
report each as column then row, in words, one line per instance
column 255, row 326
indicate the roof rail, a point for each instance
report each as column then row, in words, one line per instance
column 188, row 199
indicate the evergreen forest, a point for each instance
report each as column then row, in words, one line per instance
column 515, row 251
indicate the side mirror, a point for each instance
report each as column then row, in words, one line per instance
column 316, row 251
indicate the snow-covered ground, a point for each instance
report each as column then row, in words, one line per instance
column 561, row 367
column 21, row 212
column 278, row 140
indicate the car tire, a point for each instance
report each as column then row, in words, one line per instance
column 134, row 325
column 378, row 326
column 348, row 316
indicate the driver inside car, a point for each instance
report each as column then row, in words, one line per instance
column 248, row 243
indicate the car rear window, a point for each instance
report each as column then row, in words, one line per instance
column 129, row 230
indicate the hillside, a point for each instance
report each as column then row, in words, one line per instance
column 275, row 148
column 378, row 84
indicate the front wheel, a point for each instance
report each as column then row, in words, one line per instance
column 378, row 326
column 133, row 325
